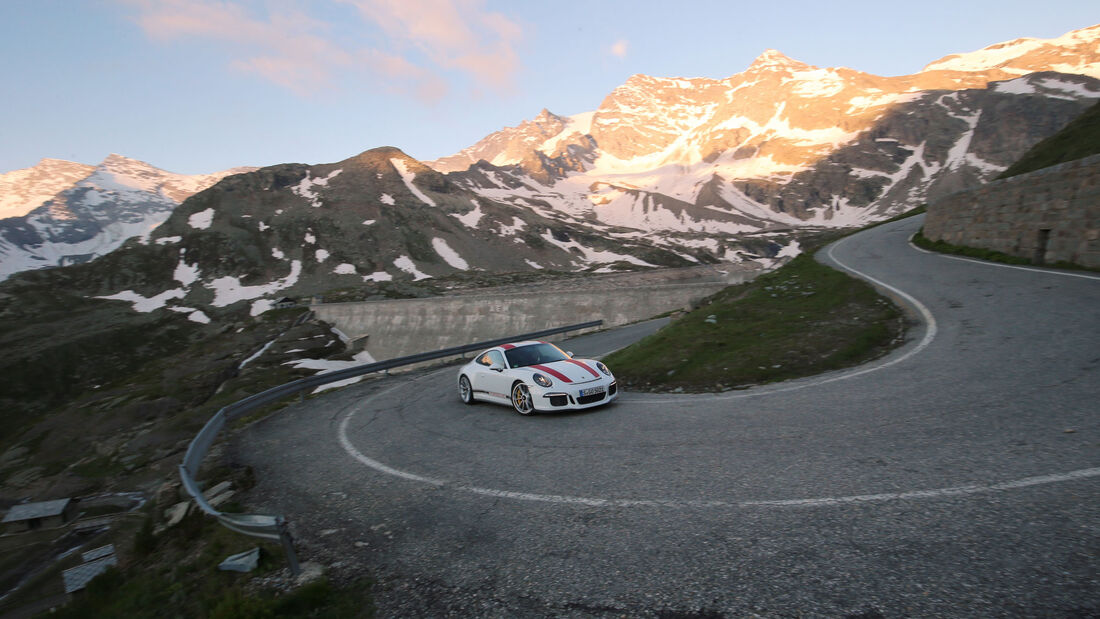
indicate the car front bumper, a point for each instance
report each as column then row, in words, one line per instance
column 558, row 398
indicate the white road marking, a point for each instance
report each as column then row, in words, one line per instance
column 559, row 499
column 1000, row 264
column 931, row 329
column 936, row 493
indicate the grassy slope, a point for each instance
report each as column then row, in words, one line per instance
column 175, row 574
column 1079, row 139
column 802, row 319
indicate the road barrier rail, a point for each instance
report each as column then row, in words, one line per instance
column 274, row 527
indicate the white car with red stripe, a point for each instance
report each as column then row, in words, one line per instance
column 536, row 376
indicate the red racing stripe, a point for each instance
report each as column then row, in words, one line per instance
column 556, row 374
column 590, row 370
column 508, row 346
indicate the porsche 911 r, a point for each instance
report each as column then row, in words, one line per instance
column 535, row 376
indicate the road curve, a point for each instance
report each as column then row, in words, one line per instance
column 958, row 476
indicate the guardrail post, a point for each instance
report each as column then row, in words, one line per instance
column 288, row 546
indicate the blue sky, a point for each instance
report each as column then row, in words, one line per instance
column 196, row 86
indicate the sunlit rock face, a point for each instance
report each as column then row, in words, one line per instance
column 784, row 143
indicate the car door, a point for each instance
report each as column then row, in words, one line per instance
column 488, row 375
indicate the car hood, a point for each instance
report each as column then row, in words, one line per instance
column 568, row 371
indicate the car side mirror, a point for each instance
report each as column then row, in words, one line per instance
column 569, row 354
column 496, row 367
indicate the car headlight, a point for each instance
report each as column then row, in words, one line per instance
column 542, row 380
column 603, row 368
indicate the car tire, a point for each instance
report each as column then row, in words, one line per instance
column 465, row 391
column 522, row 400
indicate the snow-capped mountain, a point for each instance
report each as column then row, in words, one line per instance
column 787, row 144
column 84, row 212
column 22, row 191
column 666, row 172
column 375, row 218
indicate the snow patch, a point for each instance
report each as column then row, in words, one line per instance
column 260, row 306
column 344, row 269
column 407, row 265
column 305, row 188
column 790, row 251
column 471, row 219
column 449, row 255
column 517, row 225
column 321, row 255
column 193, row 314
column 145, row 304
column 202, row 219
column 387, row 199
column 408, row 177
column 186, row 274
column 199, row 317
column 592, row 255
column 256, row 354
column 378, row 276
column 229, row 289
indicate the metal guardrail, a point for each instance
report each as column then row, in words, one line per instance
column 275, row 527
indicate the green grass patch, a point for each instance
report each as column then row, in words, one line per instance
column 802, row 319
column 1077, row 140
column 988, row 254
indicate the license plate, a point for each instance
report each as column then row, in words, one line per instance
column 591, row 391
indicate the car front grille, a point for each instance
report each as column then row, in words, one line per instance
column 588, row 399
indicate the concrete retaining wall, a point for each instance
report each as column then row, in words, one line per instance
column 408, row 326
column 1046, row 216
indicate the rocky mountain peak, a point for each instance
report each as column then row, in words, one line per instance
column 775, row 60
column 546, row 116
column 22, row 191
column 1076, row 52
column 378, row 158
column 62, row 212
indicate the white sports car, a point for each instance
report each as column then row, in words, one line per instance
column 535, row 376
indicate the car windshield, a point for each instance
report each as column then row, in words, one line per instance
column 534, row 355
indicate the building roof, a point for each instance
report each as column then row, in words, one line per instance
column 99, row 553
column 30, row 511
column 78, row 577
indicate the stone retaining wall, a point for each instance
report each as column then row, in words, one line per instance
column 408, row 326
column 1047, row 216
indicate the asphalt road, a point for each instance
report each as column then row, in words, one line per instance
column 960, row 476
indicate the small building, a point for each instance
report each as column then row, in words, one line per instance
column 41, row 515
column 78, row 577
column 285, row 302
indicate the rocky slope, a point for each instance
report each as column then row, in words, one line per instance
column 785, row 143
column 369, row 223
column 69, row 213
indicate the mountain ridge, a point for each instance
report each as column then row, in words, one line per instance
column 744, row 143
column 87, row 211
column 666, row 172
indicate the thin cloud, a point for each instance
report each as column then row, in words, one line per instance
column 292, row 49
column 620, row 48
column 453, row 34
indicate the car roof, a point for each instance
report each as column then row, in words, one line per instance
column 512, row 345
